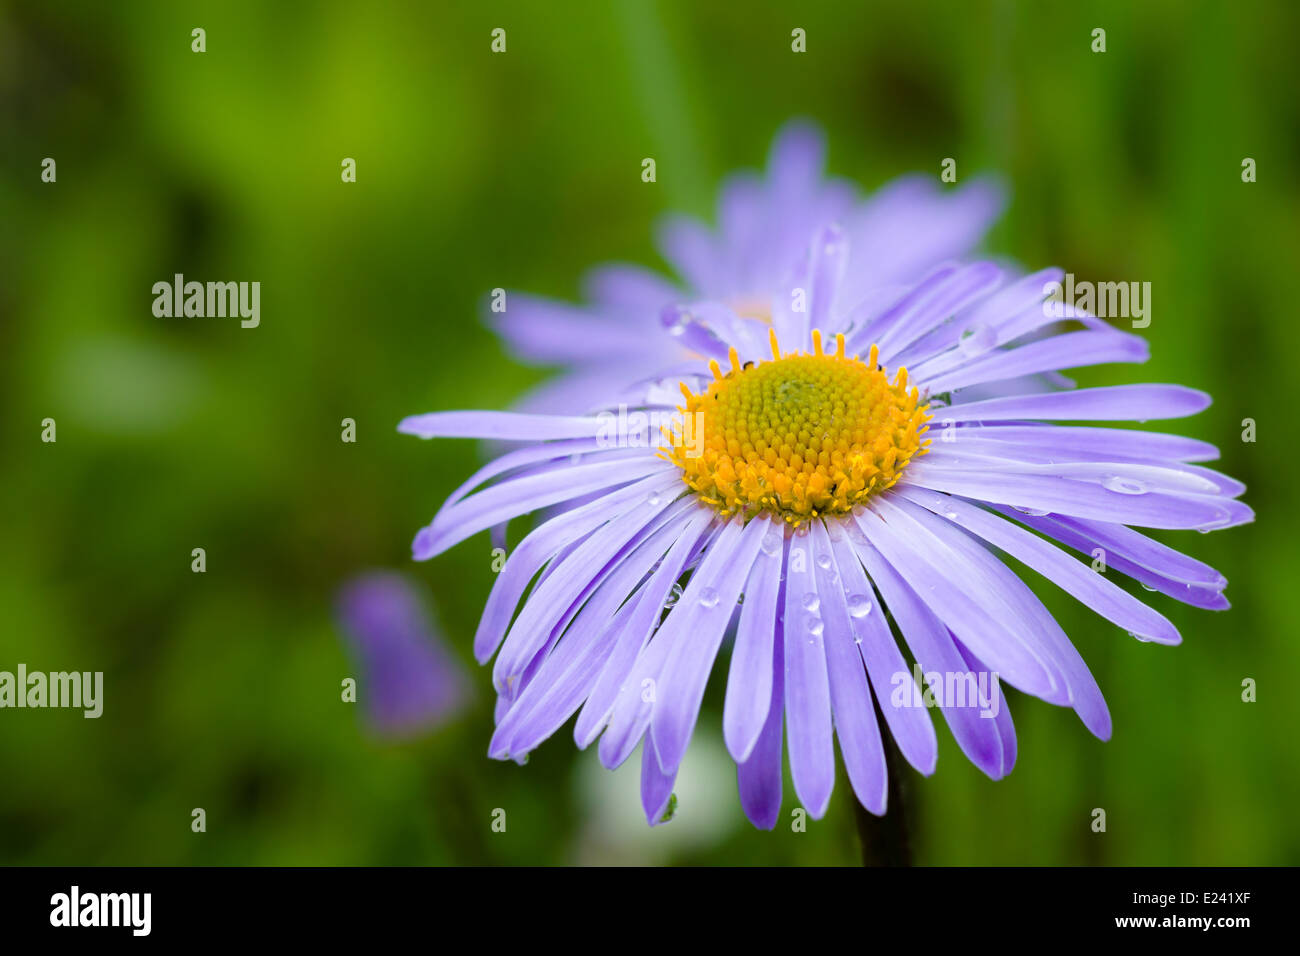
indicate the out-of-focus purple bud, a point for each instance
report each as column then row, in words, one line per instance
column 409, row 683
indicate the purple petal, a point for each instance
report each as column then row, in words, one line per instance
column 1006, row 729
column 516, row 496
column 935, row 651
column 1108, row 403
column 692, row 250
column 807, row 686
column 572, row 581
column 1021, row 603
column 639, row 627
column 829, row 258
column 589, row 387
column 533, row 553
column 656, row 785
column 503, row 426
column 749, row 682
column 566, row 678
column 1083, row 499
column 1131, row 553
column 975, row 621
column 962, row 288
column 870, row 326
column 909, row 225
column 1072, row 576
column 797, row 159
column 996, row 312
column 629, row 287
column 545, row 332
column 1172, row 478
column 1070, row 350
column 520, row 458
column 636, row 700
column 1081, row 442
column 759, row 777
column 855, row 716
column 697, row 627
column 911, row 726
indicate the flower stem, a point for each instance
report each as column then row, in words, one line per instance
column 885, row 840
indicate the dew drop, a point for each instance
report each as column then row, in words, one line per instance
column 813, row 624
column 859, row 605
column 674, row 319
column 652, row 499
column 823, row 561
column 708, row 597
column 771, row 543
column 810, row 602
column 1222, row 521
column 1032, row 512
column 977, row 340
column 673, row 596
column 1124, row 486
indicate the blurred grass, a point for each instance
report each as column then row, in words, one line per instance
column 477, row 171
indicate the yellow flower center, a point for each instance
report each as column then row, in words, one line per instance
column 798, row 436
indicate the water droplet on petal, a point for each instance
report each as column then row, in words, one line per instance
column 813, row 624
column 708, row 597
column 977, row 340
column 673, row 596
column 859, row 605
column 771, row 543
column 1124, row 486
column 823, row 561
column 1222, row 521
column 653, row 499
column 810, row 602
column 1032, row 512
column 674, row 319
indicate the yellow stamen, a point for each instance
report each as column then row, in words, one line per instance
column 799, row 436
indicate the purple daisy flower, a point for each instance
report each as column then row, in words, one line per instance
column 800, row 500
column 750, row 263
column 410, row 684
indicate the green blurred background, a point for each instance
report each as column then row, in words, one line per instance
column 520, row 170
